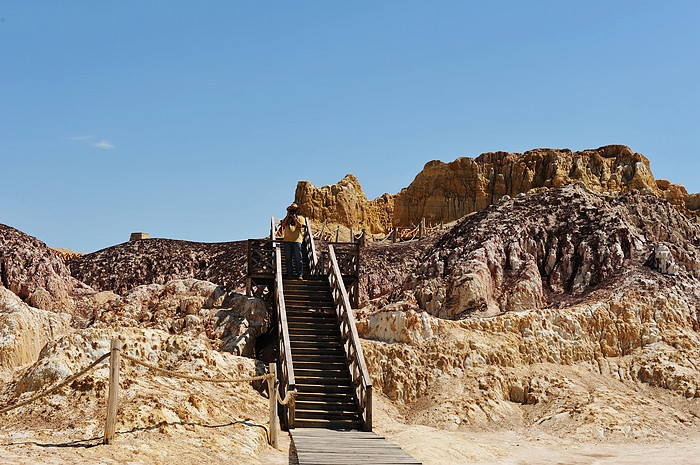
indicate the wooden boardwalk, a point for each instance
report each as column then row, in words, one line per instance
column 318, row 446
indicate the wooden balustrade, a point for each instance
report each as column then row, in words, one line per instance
column 287, row 381
column 353, row 349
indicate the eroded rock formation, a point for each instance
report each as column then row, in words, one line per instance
column 202, row 422
column 566, row 301
column 345, row 204
column 37, row 275
column 156, row 261
column 25, row 330
column 196, row 308
column 444, row 192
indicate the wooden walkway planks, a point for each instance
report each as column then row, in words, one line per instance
column 318, row 446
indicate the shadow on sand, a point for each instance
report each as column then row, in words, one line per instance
column 98, row 441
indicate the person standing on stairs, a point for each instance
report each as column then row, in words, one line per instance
column 293, row 227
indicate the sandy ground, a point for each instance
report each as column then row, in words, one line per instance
column 429, row 445
column 200, row 445
column 432, row 446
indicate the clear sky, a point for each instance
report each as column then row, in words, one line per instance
column 195, row 120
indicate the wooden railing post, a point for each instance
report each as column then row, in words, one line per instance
column 368, row 410
column 323, row 228
column 113, row 396
column 274, row 419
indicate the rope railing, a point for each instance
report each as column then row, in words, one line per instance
column 176, row 374
column 114, row 356
column 290, row 395
column 55, row 388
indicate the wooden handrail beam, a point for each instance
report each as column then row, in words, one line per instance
column 355, row 355
column 285, row 349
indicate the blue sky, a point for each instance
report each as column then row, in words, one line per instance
column 195, row 120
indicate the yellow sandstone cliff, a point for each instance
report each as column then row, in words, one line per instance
column 443, row 192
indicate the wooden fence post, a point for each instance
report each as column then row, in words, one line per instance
column 274, row 420
column 393, row 235
column 323, row 228
column 113, row 396
column 421, row 228
column 337, row 234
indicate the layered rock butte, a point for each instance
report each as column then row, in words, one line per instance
column 444, row 192
column 567, row 308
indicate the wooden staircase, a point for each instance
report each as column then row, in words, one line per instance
column 326, row 396
column 320, row 355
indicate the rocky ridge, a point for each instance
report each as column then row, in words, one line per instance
column 444, row 192
column 557, row 310
column 125, row 266
column 36, row 273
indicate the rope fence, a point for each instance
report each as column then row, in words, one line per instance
column 113, row 393
column 49, row 391
column 175, row 374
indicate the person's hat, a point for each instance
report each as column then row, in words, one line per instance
column 293, row 206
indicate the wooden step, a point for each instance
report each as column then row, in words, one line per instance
column 303, row 334
column 324, row 346
column 327, row 397
column 322, row 355
column 328, row 341
column 325, row 414
column 340, row 403
column 323, row 380
column 325, row 340
column 303, row 388
column 319, row 365
column 306, row 315
column 329, row 424
column 311, row 294
column 304, row 331
column 310, row 312
column 303, row 305
column 321, row 371
column 335, row 350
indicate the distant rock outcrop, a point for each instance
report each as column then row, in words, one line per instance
column 345, row 204
column 444, row 192
column 36, row 274
column 537, row 250
column 123, row 267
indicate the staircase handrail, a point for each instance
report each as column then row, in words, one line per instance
column 287, row 381
column 353, row 348
column 310, row 248
column 273, row 229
